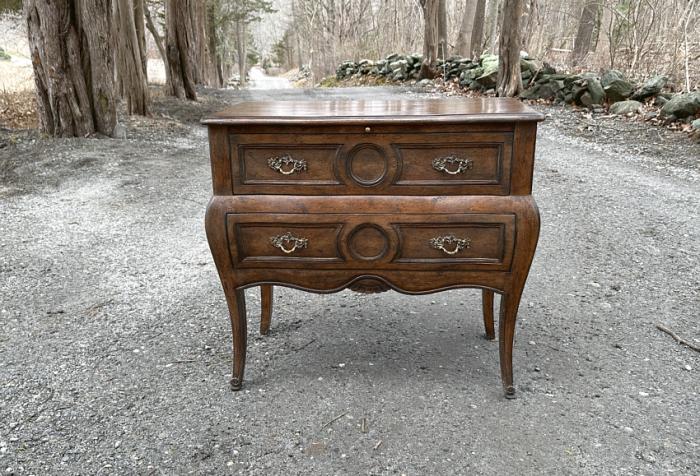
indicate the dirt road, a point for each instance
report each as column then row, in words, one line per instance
column 115, row 343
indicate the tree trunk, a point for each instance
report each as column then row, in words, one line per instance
column 158, row 41
column 214, row 56
column 430, row 38
column 510, row 82
column 686, row 50
column 300, row 60
column 582, row 43
column 69, row 44
column 297, row 35
column 602, row 47
column 179, row 41
column 463, row 45
column 130, row 60
column 494, row 6
column 442, row 29
column 200, row 48
column 139, row 17
column 203, row 61
column 526, row 23
column 241, row 46
column 477, row 42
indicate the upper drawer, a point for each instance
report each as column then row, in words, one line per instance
column 465, row 163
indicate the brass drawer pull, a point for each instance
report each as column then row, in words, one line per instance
column 286, row 164
column 279, row 241
column 459, row 243
column 443, row 164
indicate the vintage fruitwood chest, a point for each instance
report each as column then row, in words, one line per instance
column 417, row 196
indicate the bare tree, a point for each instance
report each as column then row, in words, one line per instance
column 241, row 41
column 220, row 39
column 494, row 10
column 641, row 16
column 477, row 41
column 241, row 13
column 130, row 57
column 463, row 45
column 586, row 24
column 527, row 23
column 509, row 81
column 157, row 38
column 70, row 46
column 358, row 29
column 442, row 29
column 179, row 38
column 606, row 30
column 215, row 60
column 430, row 37
column 140, row 25
column 297, row 36
column 471, row 31
column 203, row 60
column 686, row 50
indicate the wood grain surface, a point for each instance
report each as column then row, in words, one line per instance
column 377, row 111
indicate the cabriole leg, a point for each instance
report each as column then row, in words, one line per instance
column 265, row 308
column 236, row 308
column 506, row 332
column 487, row 303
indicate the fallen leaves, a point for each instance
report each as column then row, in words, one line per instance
column 18, row 109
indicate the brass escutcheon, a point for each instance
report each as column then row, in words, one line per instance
column 439, row 243
column 279, row 241
column 286, row 164
column 443, row 164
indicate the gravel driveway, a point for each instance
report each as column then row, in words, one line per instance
column 115, row 341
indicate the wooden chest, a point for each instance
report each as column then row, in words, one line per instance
column 417, row 196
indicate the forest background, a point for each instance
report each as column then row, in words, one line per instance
column 83, row 57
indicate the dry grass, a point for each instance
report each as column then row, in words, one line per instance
column 18, row 109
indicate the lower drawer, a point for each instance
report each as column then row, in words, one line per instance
column 372, row 241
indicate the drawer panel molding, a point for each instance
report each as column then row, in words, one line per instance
column 430, row 164
column 285, row 164
column 412, row 163
column 367, row 164
column 352, row 241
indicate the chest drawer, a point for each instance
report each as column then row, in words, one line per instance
column 287, row 163
column 455, row 163
column 384, row 241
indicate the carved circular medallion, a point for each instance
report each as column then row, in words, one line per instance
column 368, row 243
column 367, row 164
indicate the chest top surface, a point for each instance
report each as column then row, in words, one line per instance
column 399, row 111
